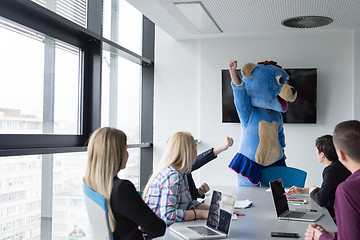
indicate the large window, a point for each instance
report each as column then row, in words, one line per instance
column 123, row 25
column 42, row 97
column 59, row 81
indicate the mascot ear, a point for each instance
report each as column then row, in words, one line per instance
column 247, row 69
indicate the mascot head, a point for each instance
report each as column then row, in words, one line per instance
column 267, row 86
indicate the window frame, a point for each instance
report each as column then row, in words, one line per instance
column 91, row 42
column 38, row 18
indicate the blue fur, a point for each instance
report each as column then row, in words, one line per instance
column 263, row 88
column 255, row 101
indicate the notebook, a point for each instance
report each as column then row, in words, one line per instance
column 218, row 221
column 282, row 207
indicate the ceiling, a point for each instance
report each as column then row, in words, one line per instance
column 243, row 17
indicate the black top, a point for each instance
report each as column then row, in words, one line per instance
column 130, row 211
column 201, row 160
column 333, row 175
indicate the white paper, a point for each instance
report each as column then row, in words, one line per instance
column 243, row 203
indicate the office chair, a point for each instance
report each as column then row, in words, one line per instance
column 290, row 176
column 98, row 214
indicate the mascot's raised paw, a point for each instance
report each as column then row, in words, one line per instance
column 260, row 96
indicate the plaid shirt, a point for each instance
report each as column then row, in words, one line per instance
column 169, row 196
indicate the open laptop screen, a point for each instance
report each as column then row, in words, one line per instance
column 280, row 201
column 220, row 212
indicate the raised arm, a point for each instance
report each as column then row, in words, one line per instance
column 203, row 158
column 232, row 69
column 241, row 98
column 211, row 154
column 228, row 142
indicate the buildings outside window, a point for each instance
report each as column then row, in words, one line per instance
column 42, row 93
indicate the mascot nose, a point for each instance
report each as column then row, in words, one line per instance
column 293, row 90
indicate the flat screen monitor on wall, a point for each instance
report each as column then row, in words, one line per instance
column 302, row 110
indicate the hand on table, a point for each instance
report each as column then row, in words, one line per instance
column 237, row 212
column 295, row 190
column 314, row 231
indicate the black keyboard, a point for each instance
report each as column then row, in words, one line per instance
column 294, row 214
column 204, row 231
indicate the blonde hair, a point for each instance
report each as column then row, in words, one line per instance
column 178, row 154
column 105, row 158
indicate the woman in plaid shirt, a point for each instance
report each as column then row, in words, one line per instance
column 167, row 191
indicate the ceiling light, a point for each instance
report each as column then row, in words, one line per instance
column 306, row 22
column 197, row 14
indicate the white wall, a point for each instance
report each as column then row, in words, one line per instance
column 176, row 93
column 194, row 68
column 356, row 74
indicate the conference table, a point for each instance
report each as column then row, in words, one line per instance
column 261, row 219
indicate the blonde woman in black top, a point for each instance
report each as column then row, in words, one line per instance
column 129, row 216
column 333, row 174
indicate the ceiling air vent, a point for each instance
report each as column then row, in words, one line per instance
column 306, row 22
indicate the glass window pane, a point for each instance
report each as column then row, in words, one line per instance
column 21, row 91
column 20, row 197
column 131, row 172
column 69, row 209
column 73, row 10
column 122, row 23
column 44, row 96
column 121, row 95
column 121, row 99
column 67, row 85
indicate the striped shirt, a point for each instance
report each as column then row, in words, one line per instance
column 169, row 196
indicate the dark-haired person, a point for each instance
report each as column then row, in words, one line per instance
column 347, row 198
column 334, row 173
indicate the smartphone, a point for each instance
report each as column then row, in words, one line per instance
column 305, row 210
column 295, row 199
column 285, row 234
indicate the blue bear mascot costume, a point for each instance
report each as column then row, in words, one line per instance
column 260, row 95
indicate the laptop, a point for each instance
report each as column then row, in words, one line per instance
column 218, row 221
column 282, row 207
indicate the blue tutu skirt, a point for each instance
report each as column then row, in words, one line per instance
column 250, row 169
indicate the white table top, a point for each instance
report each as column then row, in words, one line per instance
column 261, row 218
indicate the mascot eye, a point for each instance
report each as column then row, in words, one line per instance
column 280, row 79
